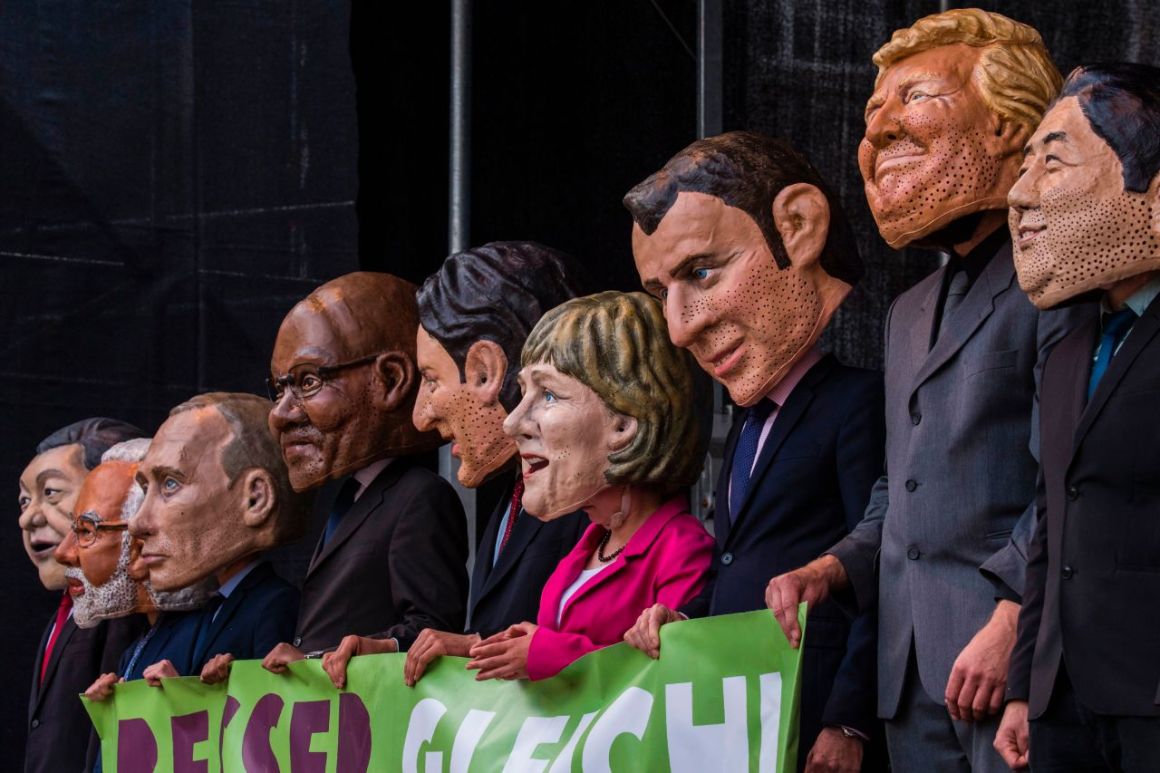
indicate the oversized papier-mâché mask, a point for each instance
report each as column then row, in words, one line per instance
column 343, row 378
column 957, row 95
column 98, row 553
column 474, row 316
column 750, row 255
column 216, row 491
column 1084, row 212
column 607, row 401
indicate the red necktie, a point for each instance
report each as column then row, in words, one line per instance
column 61, row 618
column 517, row 497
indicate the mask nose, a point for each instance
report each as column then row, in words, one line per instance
column 685, row 319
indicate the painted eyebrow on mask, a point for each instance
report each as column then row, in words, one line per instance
column 1052, row 137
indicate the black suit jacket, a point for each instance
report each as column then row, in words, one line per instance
column 1093, row 577
column 395, row 565
column 256, row 616
column 509, row 592
column 60, row 734
column 809, row 488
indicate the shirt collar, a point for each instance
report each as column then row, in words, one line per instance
column 366, row 476
column 1140, row 300
column 232, row 583
column 780, row 393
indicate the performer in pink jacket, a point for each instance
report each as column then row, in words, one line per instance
column 606, row 425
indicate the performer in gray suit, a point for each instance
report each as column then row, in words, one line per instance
column 958, row 95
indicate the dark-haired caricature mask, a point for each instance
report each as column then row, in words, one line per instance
column 97, row 571
column 933, row 151
column 1074, row 226
column 464, row 408
column 362, row 412
column 744, row 319
column 48, row 493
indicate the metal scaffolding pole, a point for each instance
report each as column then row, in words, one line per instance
column 459, row 202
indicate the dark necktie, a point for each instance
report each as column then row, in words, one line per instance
column 1116, row 326
column 517, row 499
column 956, row 291
column 745, row 453
column 61, row 618
column 204, row 625
column 341, row 506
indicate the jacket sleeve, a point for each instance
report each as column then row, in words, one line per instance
column 858, row 551
column 427, row 565
column 860, row 448
column 1006, row 568
column 1030, row 614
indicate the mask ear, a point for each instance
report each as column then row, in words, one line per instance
column 258, row 489
column 802, row 216
column 397, row 373
column 623, row 432
column 484, row 369
column 1007, row 137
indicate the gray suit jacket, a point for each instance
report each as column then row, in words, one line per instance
column 935, row 549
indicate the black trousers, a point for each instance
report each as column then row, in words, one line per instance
column 1069, row 738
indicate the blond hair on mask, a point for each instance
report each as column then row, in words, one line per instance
column 1015, row 75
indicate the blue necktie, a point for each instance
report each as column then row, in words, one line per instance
column 745, row 453
column 1116, row 326
column 342, row 504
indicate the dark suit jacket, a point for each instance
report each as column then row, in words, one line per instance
column 170, row 638
column 1093, row 576
column 256, row 616
column 509, row 592
column 395, row 565
column 809, row 489
column 60, row 734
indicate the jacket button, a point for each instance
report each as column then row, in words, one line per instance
column 726, row 558
column 912, row 553
column 911, row 485
column 1067, row 572
column 1072, row 493
column 915, row 418
column 35, row 723
column 297, row 641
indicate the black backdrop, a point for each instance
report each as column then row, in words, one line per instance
column 176, row 175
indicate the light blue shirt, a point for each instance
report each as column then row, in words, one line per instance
column 1138, row 302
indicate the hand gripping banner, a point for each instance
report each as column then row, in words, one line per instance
column 722, row 697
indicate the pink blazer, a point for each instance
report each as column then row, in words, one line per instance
column 665, row 561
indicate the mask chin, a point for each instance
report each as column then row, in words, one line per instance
column 564, row 508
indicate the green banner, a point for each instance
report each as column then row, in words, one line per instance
column 722, row 697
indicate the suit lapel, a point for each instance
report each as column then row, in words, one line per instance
column 37, row 684
column 359, row 511
column 228, row 609
column 1075, row 353
column 787, row 418
column 722, row 505
column 995, row 279
column 525, row 529
column 58, row 649
column 1138, row 339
